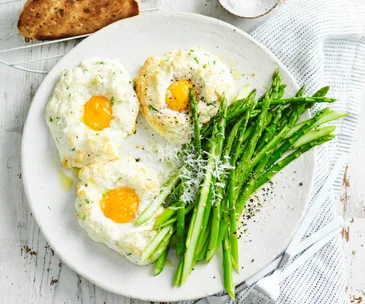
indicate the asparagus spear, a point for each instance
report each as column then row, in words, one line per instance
column 160, row 263
column 332, row 115
column 281, row 91
column 178, row 273
column 233, row 238
column 180, row 228
column 159, row 200
column 191, row 226
column 227, row 268
column 204, row 251
column 166, row 215
column 167, row 223
column 201, row 244
column 173, row 217
column 322, row 92
column 194, row 114
column 151, row 247
column 277, row 93
column 268, row 175
column 313, row 134
column 275, row 84
column 241, row 127
column 163, row 245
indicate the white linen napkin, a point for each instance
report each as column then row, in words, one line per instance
column 321, row 42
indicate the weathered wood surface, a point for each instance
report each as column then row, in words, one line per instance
column 29, row 270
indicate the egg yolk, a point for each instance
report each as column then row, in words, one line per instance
column 120, row 204
column 177, row 95
column 98, row 113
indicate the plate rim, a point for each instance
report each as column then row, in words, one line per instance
column 26, row 185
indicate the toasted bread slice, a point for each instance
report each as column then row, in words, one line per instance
column 52, row 19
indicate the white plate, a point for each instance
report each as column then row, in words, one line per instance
column 133, row 40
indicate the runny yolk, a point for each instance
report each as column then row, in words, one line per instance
column 120, row 204
column 177, row 95
column 98, row 113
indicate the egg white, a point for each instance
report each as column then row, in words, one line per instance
column 96, row 179
column 211, row 79
column 77, row 144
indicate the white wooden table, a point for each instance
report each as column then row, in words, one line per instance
column 30, row 272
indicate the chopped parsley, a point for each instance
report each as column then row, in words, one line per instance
column 214, row 61
column 128, row 253
column 112, row 100
column 191, row 50
column 84, row 217
column 204, row 66
column 89, row 202
column 73, row 149
column 196, row 60
column 100, row 62
column 50, row 119
column 151, row 107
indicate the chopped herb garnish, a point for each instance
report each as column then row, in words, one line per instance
column 151, row 107
column 196, row 60
column 191, row 50
column 50, row 119
column 128, row 253
column 100, row 62
column 112, row 100
column 84, row 217
column 89, row 202
column 204, row 66
column 214, row 61
column 73, row 149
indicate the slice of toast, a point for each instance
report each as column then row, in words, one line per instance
column 53, row 19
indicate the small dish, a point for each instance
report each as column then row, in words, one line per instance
column 249, row 9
